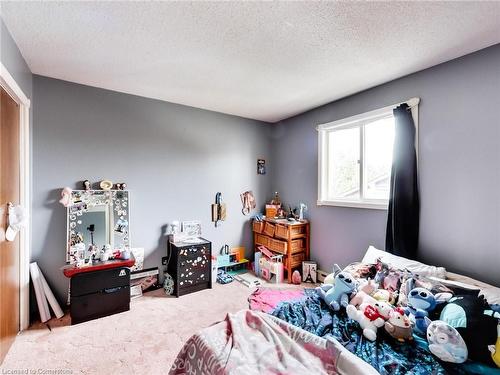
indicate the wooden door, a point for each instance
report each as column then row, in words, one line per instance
column 9, row 192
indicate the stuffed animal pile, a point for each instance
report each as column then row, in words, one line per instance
column 457, row 327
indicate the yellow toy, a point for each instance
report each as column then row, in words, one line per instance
column 495, row 349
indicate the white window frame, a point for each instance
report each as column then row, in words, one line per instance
column 352, row 122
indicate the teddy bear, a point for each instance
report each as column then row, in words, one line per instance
column 399, row 325
column 337, row 295
column 370, row 317
column 364, row 294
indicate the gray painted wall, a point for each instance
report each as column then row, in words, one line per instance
column 459, row 168
column 174, row 159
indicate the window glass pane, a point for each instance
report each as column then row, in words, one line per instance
column 343, row 162
column 379, row 139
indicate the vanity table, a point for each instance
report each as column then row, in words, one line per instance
column 97, row 226
column 99, row 290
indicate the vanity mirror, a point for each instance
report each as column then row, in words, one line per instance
column 95, row 219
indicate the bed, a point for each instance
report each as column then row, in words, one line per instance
column 251, row 342
column 305, row 336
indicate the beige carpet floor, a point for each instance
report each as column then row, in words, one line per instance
column 144, row 340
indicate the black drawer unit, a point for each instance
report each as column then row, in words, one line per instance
column 99, row 293
column 190, row 266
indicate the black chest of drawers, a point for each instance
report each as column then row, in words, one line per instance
column 190, row 266
column 99, row 293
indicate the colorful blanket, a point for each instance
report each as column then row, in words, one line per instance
column 386, row 355
column 251, row 342
column 267, row 299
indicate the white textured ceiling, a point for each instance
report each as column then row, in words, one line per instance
column 261, row 60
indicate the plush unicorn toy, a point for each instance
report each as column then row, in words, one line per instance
column 337, row 295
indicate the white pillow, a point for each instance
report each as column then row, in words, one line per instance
column 491, row 293
column 372, row 254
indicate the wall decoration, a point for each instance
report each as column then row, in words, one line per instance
column 218, row 209
column 248, row 202
column 261, row 166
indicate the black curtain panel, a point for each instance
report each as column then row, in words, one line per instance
column 404, row 204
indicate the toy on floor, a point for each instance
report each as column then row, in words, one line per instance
column 399, row 325
column 270, row 265
column 495, row 349
column 420, row 302
column 337, row 295
column 223, row 277
column 370, row 317
column 296, row 278
column 168, row 284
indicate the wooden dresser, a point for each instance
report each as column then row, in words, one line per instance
column 284, row 237
column 190, row 266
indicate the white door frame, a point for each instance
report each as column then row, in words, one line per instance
column 10, row 85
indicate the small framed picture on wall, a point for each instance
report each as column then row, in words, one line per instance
column 261, row 166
